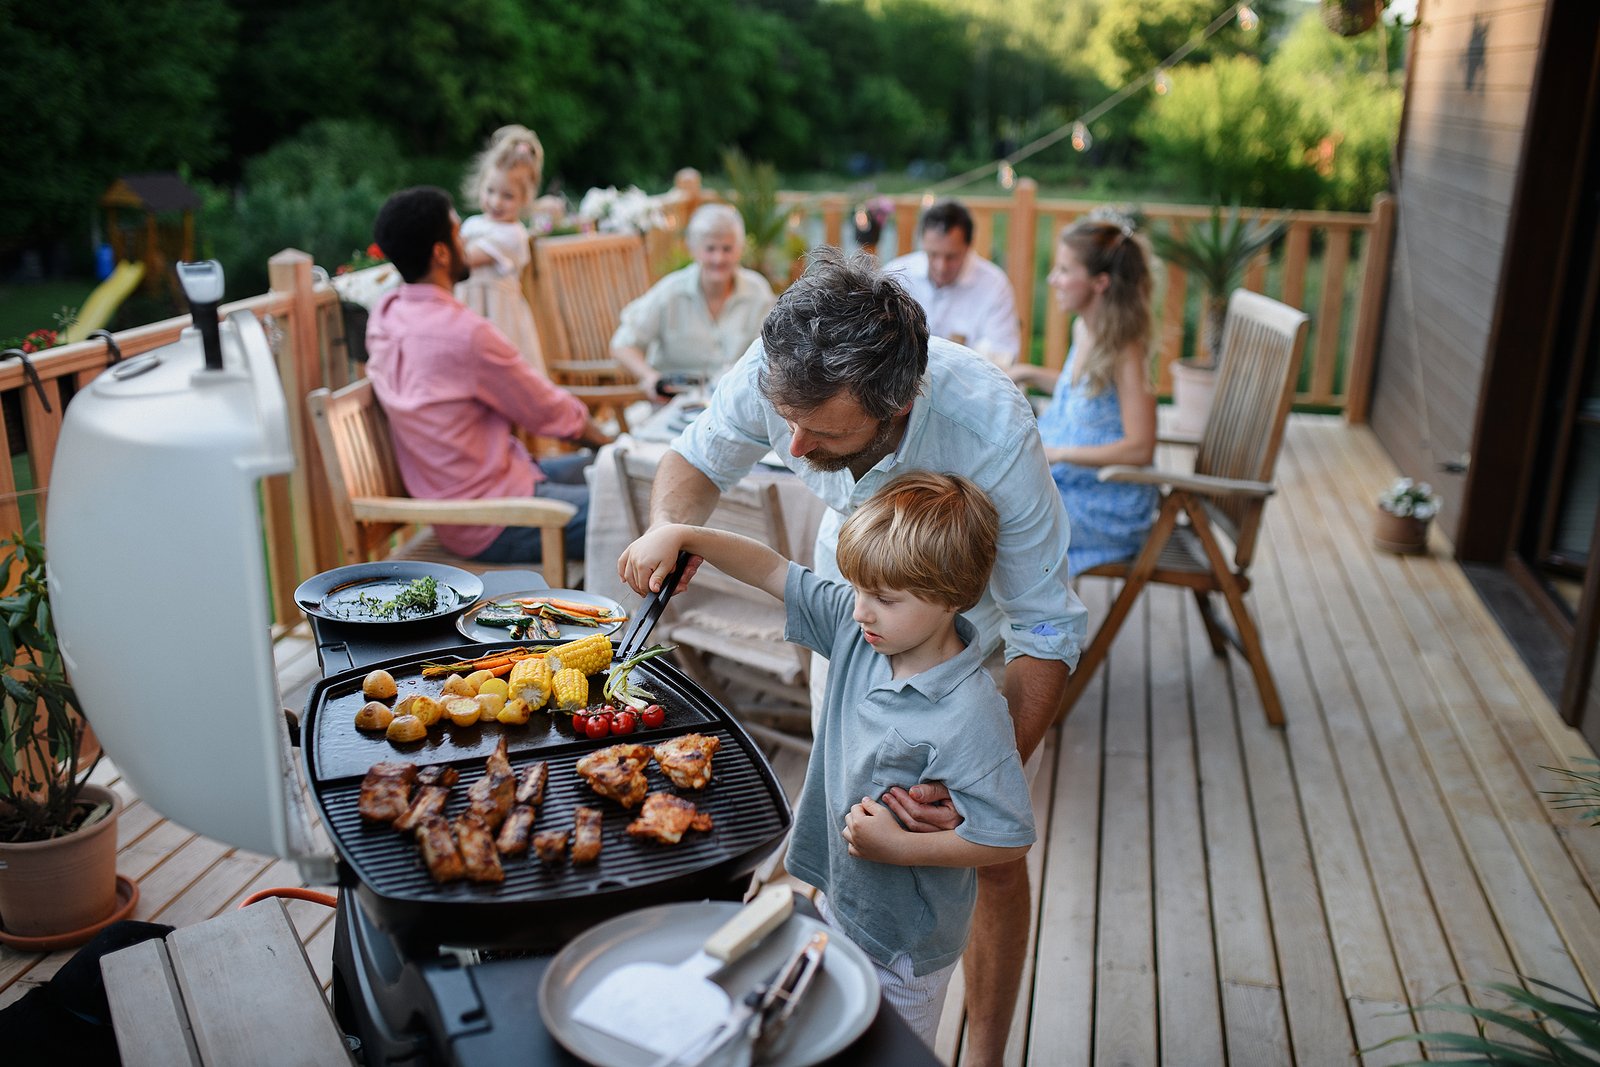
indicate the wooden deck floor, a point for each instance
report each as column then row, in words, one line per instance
column 1208, row 889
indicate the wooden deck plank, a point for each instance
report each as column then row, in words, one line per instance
column 1190, row 1014
column 1064, row 955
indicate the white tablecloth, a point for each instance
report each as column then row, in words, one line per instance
column 609, row 531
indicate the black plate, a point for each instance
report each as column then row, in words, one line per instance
column 334, row 595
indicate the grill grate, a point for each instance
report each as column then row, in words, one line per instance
column 740, row 798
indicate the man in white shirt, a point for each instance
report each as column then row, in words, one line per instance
column 967, row 298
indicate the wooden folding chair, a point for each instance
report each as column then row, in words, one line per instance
column 1226, row 493
column 584, row 281
column 370, row 504
column 725, row 632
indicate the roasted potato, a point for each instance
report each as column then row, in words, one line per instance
column 421, row 705
column 463, row 711
column 476, row 680
column 379, row 685
column 374, row 716
column 495, row 685
column 457, row 686
column 491, row 703
column 515, row 712
column 405, row 728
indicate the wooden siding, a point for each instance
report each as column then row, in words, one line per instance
column 1471, row 76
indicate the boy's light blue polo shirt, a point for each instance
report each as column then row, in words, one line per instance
column 947, row 724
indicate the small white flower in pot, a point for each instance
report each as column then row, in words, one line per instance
column 1404, row 511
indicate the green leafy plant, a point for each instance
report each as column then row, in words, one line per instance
column 1574, row 1039
column 755, row 195
column 1584, row 792
column 1216, row 253
column 41, row 729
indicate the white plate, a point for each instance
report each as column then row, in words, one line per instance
column 841, row 1004
column 491, row 635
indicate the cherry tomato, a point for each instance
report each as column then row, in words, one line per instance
column 599, row 726
column 608, row 709
column 652, row 716
column 623, row 722
column 580, row 724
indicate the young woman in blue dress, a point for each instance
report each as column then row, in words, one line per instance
column 1103, row 410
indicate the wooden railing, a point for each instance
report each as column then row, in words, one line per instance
column 1318, row 265
column 1330, row 264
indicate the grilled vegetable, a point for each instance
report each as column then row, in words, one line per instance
column 590, row 655
column 620, row 687
column 379, row 685
column 571, row 689
column 374, row 716
column 405, row 728
column 530, row 681
column 463, row 711
column 514, row 712
column 495, row 663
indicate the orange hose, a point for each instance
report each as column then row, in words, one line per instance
column 293, row 893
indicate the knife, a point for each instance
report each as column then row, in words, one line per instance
column 784, row 995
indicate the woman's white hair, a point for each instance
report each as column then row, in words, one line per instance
column 711, row 219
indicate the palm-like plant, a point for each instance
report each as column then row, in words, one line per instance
column 41, row 731
column 755, row 195
column 1216, row 252
column 1559, row 1032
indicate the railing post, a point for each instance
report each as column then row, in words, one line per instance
column 1374, row 286
column 298, row 526
column 833, row 209
column 1022, row 240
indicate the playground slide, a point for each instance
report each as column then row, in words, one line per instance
column 104, row 301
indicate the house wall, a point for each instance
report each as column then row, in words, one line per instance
column 1468, row 90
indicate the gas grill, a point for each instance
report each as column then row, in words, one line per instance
column 173, row 447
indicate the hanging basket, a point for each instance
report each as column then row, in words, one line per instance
column 1348, row 18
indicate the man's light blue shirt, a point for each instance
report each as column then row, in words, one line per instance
column 969, row 418
column 948, row 723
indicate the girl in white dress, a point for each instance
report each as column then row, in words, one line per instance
column 503, row 182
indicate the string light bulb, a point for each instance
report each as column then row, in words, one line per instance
column 1248, row 19
column 1008, row 176
column 1081, row 138
column 1163, row 84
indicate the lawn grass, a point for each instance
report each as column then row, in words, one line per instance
column 38, row 305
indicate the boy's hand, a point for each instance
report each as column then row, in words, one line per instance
column 923, row 808
column 645, row 564
column 871, row 832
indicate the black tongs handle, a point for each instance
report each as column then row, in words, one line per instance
column 650, row 613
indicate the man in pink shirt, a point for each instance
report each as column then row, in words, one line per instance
column 454, row 389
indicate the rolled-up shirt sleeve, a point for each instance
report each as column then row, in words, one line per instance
column 735, row 430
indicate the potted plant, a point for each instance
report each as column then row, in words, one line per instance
column 769, row 246
column 58, row 836
column 359, row 286
column 1404, row 512
column 1216, row 253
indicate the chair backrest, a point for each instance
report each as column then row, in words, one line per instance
column 584, row 282
column 1262, row 340
column 358, row 456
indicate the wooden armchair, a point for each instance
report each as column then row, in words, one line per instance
column 370, row 504
column 584, row 282
column 1233, row 469
column 725, row 631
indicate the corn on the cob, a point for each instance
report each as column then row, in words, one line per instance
column 571, row 689
column 530, row 680
column 591, row 655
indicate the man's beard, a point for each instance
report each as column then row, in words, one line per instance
column 874, row 450
column 459, row 270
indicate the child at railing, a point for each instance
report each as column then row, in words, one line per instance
column 503, row 182
column 1104, row 408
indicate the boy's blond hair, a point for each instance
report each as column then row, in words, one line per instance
column 931, row 535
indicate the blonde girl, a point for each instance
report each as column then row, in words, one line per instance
column 1104, row 409
column 502, row 182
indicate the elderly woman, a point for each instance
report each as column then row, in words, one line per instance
column 696, row 322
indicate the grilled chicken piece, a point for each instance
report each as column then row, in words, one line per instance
column 514, row 832
column 438, row 774
column 686, row 760
column 550, row 845
column 386, row 791
column 585, row 835
column 439, row 849
column 490, row 797
column 617, row 772
column 531, row 789
column 478, row 853
column 665, row 817
column 429, row 801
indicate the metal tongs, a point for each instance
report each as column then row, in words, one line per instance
column 761, row 1014
column 650, row 613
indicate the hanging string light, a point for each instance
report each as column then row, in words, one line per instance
column 1163, row 84
column 1248, row 19
column 1081, row 138
column 1008, row 176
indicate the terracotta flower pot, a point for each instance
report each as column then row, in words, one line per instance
column 48, row 888
column 1402, row 534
